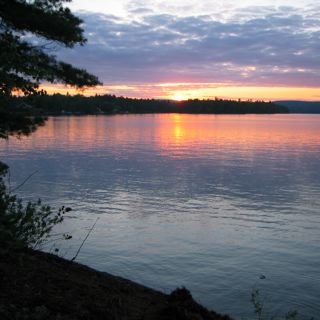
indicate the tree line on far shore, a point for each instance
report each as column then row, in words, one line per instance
column 59, row 104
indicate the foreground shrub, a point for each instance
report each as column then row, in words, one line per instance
column 26, row 225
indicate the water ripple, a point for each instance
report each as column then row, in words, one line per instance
column 209, row 202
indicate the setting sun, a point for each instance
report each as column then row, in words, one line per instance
column 179, row 96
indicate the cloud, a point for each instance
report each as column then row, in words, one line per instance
column 264, row 46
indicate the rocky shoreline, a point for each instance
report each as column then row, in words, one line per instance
column 38, row 285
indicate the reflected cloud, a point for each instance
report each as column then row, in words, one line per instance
column 190, row 155
column 176, row 135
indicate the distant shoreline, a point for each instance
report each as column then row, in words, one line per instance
column 58, row 104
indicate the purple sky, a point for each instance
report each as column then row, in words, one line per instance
column 255, row 44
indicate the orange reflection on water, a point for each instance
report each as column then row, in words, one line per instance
column 177, row 135
column 182, row 134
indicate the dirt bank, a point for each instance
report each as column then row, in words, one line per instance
column 37, row 285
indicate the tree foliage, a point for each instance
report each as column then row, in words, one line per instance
column 23, row 63
column 58, row 104
column 23, row 225
column 19, row 119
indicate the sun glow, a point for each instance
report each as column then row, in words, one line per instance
column 179, row 96
column 185, row 91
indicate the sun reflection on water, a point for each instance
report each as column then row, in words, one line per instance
column 177, row 134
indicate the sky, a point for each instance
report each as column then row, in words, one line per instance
column 260, row 49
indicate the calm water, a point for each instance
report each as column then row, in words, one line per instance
column 207, row 202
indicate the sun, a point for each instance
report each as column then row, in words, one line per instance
column 179, row 96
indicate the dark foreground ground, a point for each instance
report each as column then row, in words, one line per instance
column 37, row 285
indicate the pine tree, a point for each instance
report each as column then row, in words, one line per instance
column 27, row 29
column 23, row 64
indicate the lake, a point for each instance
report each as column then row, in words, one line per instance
column 219, row 204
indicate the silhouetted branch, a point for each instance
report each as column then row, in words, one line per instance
column 84, row 240
column 21, row 184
